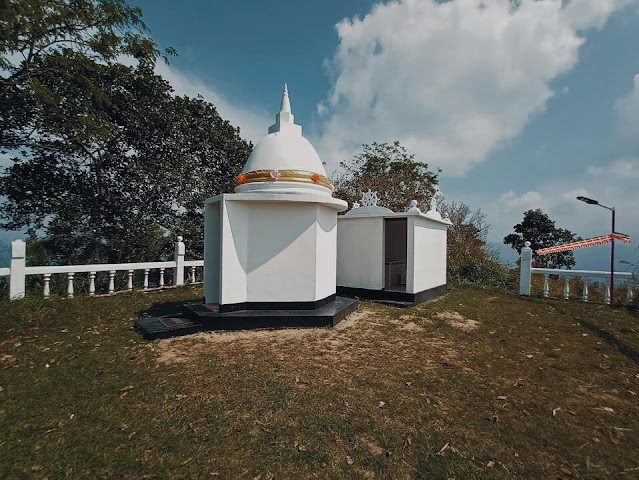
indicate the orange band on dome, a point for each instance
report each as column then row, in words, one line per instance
column 298, row 176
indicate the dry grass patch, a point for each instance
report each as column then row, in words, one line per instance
column 539, row 389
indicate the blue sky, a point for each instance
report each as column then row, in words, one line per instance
column 521, row 107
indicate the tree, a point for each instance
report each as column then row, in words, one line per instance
column 107, row 163
column 538, row 229
column 389, row 170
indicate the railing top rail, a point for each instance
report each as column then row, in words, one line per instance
column 581, row 273
column 100, row 267
column 194, row 263
column 5, row 272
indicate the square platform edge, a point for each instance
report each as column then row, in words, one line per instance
column 327, row 315
column 389, row 297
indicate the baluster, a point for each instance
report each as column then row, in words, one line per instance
column 193, row 274
column 606, row 293
column 46, row 291
column 566, row 288
column 70, row 276
column 92, row 283
column 129, row 282
column 546, row 285
column 629, row 293
column 111, row 281
column 584, row 293
column 161, row 277
column 146, row 278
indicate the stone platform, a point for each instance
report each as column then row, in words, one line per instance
column 394, row 298
column 199, row 317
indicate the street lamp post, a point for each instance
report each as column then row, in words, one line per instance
column 590, row 201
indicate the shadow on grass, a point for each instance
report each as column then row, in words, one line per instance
column 626, row 350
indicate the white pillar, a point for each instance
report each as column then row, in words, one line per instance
column 146, row 278
column 17, row 274
column 129, row 283
column 629, row 293
column 525, row 265
column 161, row 277
column 606, row 293
column 178, row 273
column 193, row 274
column 566, row 288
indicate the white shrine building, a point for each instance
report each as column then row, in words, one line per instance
column 270, row 248
column 396, row 258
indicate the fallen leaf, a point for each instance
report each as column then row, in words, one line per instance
column 491, row 464
column 349, row 460
column 36, row 468
column 408, row 442
column 555, row 410
column 301, row 448
column 605, row 409
column 381, row 404
column 502, row 397
column 214, row 474
column 186, row 461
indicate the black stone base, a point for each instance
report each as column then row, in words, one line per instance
column 199, row 317
column 393, row 298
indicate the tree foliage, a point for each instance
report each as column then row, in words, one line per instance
column 469, row 260
column 389, row 170
column 538, row 229
column 107, row 163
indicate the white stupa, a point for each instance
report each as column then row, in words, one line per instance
column 273, row 243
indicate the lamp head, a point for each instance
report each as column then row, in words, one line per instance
column 587, row 200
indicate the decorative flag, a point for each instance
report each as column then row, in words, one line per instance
column 589, row 242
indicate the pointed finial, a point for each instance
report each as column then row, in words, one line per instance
column 285, row 106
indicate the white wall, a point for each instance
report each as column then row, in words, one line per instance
column 326, row 260
column 427, row 239
column 212, row 219
column 270, row 251
column 360, row 252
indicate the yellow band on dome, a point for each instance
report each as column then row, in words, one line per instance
column 299, row 176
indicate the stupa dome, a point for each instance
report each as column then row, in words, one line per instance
column 284, row 161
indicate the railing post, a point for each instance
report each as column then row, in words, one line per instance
column 129, row 283
column 525, row 265
column 17, row 265
column 193, row 274
column 161, row 277
column 584, row 293
column 111, row 281
column 606, row 293
column 566, row 288
column 92, row 283
column 46, row 290
column 70, row 276
column 178, row 273
column 146, row 278
column 546, row 285
column 629, row 294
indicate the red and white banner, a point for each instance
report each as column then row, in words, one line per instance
column 589, row 242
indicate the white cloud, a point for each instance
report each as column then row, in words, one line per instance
column 627, row 109
column 613, row 184
column 253, row 123
column 453, row 80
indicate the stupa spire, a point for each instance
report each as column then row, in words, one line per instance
column 284, row 119
column 285, row 106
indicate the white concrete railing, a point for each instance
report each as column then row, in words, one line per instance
column 18, row 271
column 526, row 270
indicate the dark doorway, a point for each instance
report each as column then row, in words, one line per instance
column 395, row 253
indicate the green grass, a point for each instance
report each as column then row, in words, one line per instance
column 416, row 393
